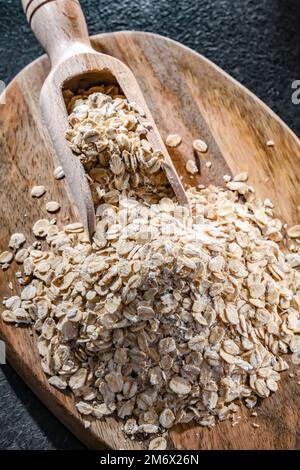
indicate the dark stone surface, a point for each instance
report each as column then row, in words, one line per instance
column 258, row 42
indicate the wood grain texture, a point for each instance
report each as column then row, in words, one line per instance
column 190, row 96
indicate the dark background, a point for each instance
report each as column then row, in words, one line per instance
column 256, row 41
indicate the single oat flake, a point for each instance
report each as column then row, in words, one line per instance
column 241, row 177
column 38, row 191
column 40, row 228
column 59, row 173
column 52, row 206
column 200, row 146
column 16, row 241
column 173, row 140
column 294, row 232
column 191, row 167
column 158, row 443
column 227, row 178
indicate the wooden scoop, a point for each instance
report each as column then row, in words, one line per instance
column 60, row 27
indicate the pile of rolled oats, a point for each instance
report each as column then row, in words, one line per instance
column 112, row 144
column 170, row 315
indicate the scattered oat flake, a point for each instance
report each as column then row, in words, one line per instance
column 268, row 203
column 191, row 167
column 158, row 443
column 52, row 206
column 173, row 140
column 270, row 143
column 40, row 228
column 241, row 177
column 21, row 255
column 167, row 315
column 255, row 425
column 179, row 386
column 167, row 418
column 208, row 164
column 59, row 173
column 227, row 178
column 6, row 257
column 16, row 241
column 294, row 232
column 200, row 146
column 38, row 191
column 58, row 382
column 84, row 408
column 75, row 227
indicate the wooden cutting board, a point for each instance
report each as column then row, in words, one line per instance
column 190, row 96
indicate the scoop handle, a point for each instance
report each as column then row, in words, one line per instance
column 59, row 26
